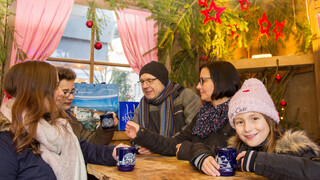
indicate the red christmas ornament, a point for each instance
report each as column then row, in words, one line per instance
column 244, row 5
column 278, row 78
column 200, row 3
column 89, row 24
column 207, row 11
column 280, row 26
column 261, row 21
column 283, row 103
column 98, row 45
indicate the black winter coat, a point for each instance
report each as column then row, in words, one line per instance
column 295, row 157
column 191, row 146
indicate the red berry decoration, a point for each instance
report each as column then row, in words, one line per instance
column 278, row 78
column 98, row 45
column 283, row 103
column 89, row 24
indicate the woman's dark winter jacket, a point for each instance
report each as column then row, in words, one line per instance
column 26, row 165
column 191, row 146
column 295, row 157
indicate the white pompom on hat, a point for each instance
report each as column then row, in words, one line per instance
column 252, row 97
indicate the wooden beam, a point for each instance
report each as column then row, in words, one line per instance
column 292, row 60
column 104, row 5
column 314, row 9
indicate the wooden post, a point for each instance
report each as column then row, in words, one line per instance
column 314, row 9
column 92, row 56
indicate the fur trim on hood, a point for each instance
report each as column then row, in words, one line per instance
column 292, row 142
column 295, row 142
column 4, row 123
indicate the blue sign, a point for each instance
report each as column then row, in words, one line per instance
column 126, row 113
column 92, row 100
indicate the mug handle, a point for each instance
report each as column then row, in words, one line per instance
column 239, row 162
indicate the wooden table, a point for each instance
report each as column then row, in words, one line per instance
column 159, row 167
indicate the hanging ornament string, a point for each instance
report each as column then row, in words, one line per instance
column 286, row 17
column 294, row 14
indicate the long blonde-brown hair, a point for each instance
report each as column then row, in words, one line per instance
column 31, row 82
column 273, row 136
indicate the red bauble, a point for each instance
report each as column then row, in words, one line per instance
column 283, row 103
column 278, row 78
column 89, row 24
column 98, row 45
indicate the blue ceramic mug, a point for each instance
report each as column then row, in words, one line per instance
column 106, row 120
column 126, row 158
column 226, row 158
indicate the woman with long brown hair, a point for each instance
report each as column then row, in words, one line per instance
column 36, row 140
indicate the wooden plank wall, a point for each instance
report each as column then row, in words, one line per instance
column 314, row 9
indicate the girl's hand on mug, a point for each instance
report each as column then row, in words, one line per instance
column 178, row 148
column 240, row 157
column 132, row 129
column 144, row 151
column 114, row 152
column 210, row 166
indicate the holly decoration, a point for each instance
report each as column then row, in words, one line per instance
column 98, row 45
column 89, row 24
column 95, row 22
column 205, row 4
column 207, row 11
column 283, row 103
column 244, row 5
column 278, row 78
column 263, row 20
column 280, row 26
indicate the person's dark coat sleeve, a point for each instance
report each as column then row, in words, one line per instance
column 100, row 136
column 97, row 153
column 281, row 166
column 160, row 144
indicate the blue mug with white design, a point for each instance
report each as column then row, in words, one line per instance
column 126, row 158
column 226, row 158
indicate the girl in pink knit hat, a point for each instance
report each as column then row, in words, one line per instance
column 263, row 148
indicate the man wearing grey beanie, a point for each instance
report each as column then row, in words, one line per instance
column 166, row 107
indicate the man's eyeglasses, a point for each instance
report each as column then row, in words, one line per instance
column 202, row 79
column 147, row 81
column 67, row 93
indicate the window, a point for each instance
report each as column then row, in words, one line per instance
column 109, row 65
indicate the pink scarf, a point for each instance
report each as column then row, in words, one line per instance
column 59, row 146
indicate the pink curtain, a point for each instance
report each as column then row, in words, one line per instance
column 39, row 25
column 138, row 36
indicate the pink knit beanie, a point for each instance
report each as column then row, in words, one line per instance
column 253, row 96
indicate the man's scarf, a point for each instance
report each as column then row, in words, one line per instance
column 165, row 100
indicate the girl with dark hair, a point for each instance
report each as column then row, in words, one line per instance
column 36, row 140
column 210, row 129
column 263, row 148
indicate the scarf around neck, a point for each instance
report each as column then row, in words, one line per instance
column 165, row 101
column 59, row 146
column 210, row 119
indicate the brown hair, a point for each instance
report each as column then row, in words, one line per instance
column 31, row 82
column 273, row 136
column 66, row 73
